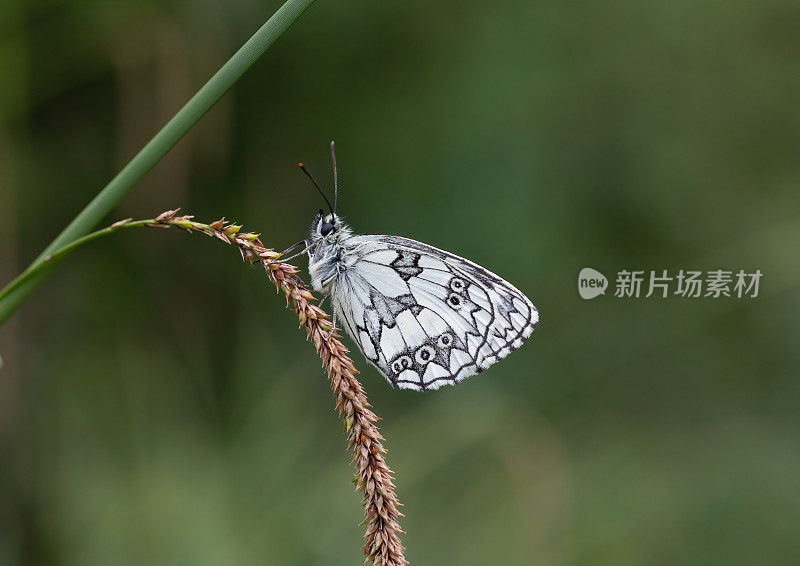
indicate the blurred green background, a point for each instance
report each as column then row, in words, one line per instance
column 157, row 405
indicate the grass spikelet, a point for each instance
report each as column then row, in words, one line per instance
column 373, row 478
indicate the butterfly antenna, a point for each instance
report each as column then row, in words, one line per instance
column 303, row 167
column 335, row 179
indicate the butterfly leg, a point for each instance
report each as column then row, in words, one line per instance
column 306, row 250
column 333, row 324
column 293, row 246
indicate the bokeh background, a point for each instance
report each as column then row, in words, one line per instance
column 157, row 405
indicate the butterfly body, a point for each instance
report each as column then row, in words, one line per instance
column 422, row 316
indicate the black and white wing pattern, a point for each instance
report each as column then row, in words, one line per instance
column 423, row 316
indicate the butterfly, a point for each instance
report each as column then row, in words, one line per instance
column 422, row 316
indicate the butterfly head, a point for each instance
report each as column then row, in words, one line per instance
column 329, row 227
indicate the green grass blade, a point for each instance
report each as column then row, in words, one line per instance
column 161, row 143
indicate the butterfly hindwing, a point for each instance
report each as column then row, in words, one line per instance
column 423, row 316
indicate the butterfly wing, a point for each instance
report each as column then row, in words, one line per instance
column 423, row 316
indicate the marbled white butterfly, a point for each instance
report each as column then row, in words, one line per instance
column 422, row 316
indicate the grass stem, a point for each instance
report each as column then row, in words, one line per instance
column 372, row 478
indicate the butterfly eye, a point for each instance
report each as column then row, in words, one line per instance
column 326, row 228
column 454, row 300
column 457, row 284
column 401, row 363
column 424, row 354
column 445, row 340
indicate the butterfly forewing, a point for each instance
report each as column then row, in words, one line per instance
column 423, row 316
